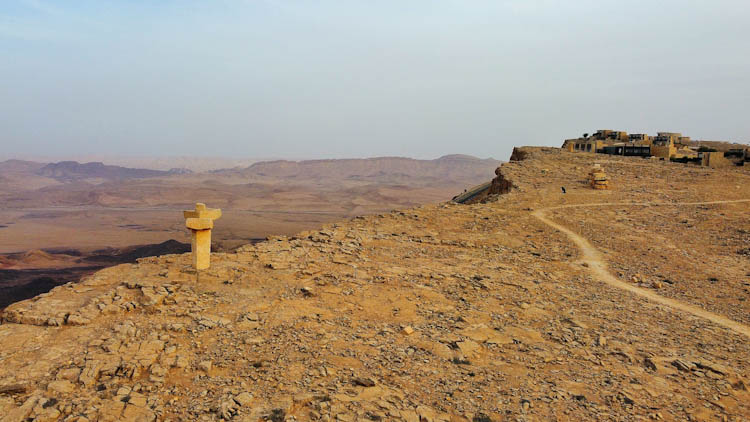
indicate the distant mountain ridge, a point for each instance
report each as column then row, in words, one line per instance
column 449, row 167
column 73, row 170
column 455, row 168
column 20, row 166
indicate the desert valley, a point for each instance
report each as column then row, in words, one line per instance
column 64, row 220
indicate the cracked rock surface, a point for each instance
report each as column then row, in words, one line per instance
column 443, row 312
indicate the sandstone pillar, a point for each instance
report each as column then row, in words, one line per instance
column 200, row 222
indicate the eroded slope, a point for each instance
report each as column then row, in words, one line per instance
column 447, row 312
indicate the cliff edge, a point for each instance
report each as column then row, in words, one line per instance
column 533, row 305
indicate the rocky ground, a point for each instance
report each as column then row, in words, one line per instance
column 28, row 274
column 694, row 253
column 440, row 313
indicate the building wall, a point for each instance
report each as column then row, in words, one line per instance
column 663, row 151
column 619, row 136
column 587, row 145
column 715, row 160
column 569, row 145
column 602, row 134
column 673, row 135
column 637, row 150
column 667, row 137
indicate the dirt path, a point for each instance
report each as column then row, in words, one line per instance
column 598, row 267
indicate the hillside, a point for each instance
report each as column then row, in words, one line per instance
column 456, row 168
column 73, row 170
column 627, row 304
column 197, row 164
column 19, row 166
column 19, row 176
column 718, row 145
column 26, row 274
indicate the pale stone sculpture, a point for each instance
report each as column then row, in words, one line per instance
column 200, row 222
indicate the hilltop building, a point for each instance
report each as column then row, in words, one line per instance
column 664, row 145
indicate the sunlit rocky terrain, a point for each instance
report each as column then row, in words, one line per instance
column 531, row 304
column 64, row 220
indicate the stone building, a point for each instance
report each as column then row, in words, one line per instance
column 639, row 139
column 715, row 159
column 569, row 145
column 585, row 145
column 596, row 142
column 663, row 145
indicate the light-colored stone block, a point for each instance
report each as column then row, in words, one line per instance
column 202, row 212
column 200, row 222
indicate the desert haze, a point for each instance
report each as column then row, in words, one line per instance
column 189, row 230
column 63, row 220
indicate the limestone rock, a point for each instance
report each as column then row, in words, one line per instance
column 62, row 386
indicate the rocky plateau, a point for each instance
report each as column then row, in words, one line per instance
column 531, row 304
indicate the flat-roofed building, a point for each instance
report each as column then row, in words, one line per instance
column 610, row 135
column 672, row 137
column 639, row 139
column 663, row 145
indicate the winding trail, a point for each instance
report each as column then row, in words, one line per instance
column 598, row 267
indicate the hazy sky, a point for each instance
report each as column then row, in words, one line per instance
column 354, row 78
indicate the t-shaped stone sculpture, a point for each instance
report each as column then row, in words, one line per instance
column 200, row 222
